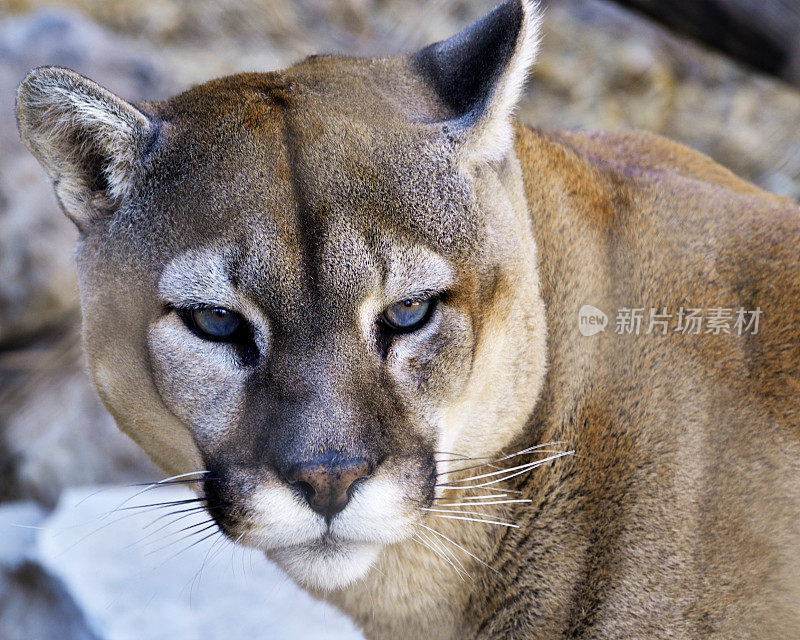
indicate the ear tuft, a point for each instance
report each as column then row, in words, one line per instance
column 480, row 73
column 88, row 140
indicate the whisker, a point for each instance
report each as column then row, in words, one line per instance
column 457, row 455
column 474, row 466
column 160, row 505
column 468, row 513
column 474, row 513
column 98, row 530
column 461, row 457
column 164, row 481
column 533, row 465
column 188, row 512
column 522, row 466
column 198, row 576
column 478, row 504
column 484, row 497
column 193, row 512
column 446, row 552
column 441, row 555
column 213, row 533
column 539, row 448
column 91, row 495
column 186, row 528
column 502, row 524
column 184, row 475
column 445, row 487
column 184, row 538
column 453, row 542
column 530, row 449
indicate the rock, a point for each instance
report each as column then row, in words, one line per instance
column 53, row 430
column 33, row 603
column 19, row 522
column 136, row 581
column 56, row 434
column 601, row 67
column 36, row 240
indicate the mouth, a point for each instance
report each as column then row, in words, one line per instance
column 321, row 553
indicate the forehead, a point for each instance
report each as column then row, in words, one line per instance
column 313, row 175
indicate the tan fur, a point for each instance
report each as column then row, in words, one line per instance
column 308, row 201
column 702, row 500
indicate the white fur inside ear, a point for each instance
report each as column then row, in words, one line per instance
column 86, row 138
column 493, row 134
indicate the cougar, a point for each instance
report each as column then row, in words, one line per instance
column 434, row 363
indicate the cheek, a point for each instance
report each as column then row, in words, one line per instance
column 434, row 368
column 200, row 382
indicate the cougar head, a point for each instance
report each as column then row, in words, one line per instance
column 308, row 283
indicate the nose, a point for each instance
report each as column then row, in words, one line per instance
column 327, row 481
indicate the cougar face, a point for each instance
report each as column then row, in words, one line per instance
column 315, row 286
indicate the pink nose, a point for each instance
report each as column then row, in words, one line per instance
column 327, row 482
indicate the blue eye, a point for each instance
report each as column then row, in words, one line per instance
column 216, row 323
column 408, row 315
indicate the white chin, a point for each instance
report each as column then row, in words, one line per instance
column 327, row 565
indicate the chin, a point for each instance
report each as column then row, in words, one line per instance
column 327, row 565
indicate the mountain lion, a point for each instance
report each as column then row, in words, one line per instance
column 344, row 300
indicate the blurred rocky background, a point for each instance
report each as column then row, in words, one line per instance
column 633, row 64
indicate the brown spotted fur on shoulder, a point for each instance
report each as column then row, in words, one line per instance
column 344, row 298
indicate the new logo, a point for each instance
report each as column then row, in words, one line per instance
column 591, row 320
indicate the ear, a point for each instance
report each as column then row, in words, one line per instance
column 89, row 141
column 480, row 73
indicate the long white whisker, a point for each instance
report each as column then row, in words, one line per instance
column 437, row 553
column 502, row 524
column 467, row 513
column 447, row 553
column 530, row 449
column 474, row 466
column 453, row 542
column 497, row 495
column 528, row 467
column 522, row 466
column 537, row 449
column 453, row 453
column 478, row 504
column 445, row 487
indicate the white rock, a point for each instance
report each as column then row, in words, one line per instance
column 33, row 603
column 136, row 582
column 18, row 526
